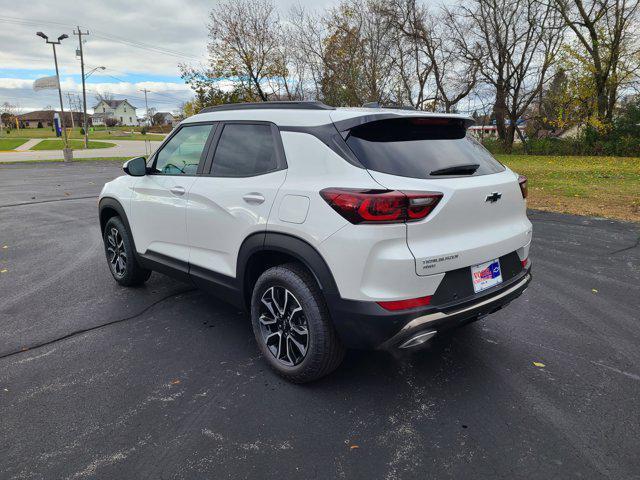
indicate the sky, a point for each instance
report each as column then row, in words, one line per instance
column 139, row 42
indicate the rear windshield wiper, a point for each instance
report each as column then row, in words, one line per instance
column 468, row 169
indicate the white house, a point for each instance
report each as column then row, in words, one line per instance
column 120, row 110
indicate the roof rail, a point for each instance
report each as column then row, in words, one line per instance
column 268, row 106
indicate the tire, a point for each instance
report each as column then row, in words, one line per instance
column 121, row 257
column 324, row 351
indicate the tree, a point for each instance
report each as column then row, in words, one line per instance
column 412, row 65
column 514, row 43
column 435, row 56
column 607, row 46
column 308, row 34
column 342, row 81
column 103, row 96
column 245, row 45
column 151, row 115
column 358, row 61
column 8, row 114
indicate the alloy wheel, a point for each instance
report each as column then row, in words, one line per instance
column 116, row 253
column 283, row 326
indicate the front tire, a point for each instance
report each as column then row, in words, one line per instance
column 292, row 326
column 121, row 257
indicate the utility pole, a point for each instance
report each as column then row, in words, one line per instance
column 146, row 105
column 79, row 33
column 66, row 151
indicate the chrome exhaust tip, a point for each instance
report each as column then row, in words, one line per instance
column 418, row 339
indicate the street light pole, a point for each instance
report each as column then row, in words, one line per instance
column 66, row 151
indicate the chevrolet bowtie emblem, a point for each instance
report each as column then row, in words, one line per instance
column 494, row 197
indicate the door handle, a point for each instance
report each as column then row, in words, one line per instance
column 177, row 190
column 253, row 198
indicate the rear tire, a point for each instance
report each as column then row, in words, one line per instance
column 292, row 325
column 121, row 255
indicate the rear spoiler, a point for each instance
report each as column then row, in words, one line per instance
column 343, row 126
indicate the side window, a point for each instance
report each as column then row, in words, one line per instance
column 181, row 155
column 245, row 150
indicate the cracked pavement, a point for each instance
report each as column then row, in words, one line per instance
column 164, row 382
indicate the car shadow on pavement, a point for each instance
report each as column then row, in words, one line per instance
column 442, row 357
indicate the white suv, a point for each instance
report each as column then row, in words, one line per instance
column 336, row 228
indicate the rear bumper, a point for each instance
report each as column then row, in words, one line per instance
column 367, row 325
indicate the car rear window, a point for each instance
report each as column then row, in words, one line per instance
column 416, row 147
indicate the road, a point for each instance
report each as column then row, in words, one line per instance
column 123, row 148
column 99, row 381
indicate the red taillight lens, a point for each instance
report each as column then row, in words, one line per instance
column 380, row 206
column 524, row 262
column 405, row 304
column 522, row 180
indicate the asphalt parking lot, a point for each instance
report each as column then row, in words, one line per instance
column 99, row 381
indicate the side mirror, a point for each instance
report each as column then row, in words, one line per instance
column 136, row 167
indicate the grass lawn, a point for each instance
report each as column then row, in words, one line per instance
column 115, row 133
column 598, row 186
column 11, row 143
column 75, row 144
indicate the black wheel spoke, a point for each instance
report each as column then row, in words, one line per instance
column 283, row 325
column 116, row 253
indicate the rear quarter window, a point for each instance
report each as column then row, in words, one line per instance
column 415, row 147
column 245, row 150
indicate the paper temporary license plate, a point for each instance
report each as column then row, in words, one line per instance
column 486, row 275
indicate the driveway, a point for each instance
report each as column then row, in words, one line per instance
column 163, row 381
column 123, row 148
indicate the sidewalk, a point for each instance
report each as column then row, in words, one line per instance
column 28, row 144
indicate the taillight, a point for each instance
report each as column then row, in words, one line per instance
column 380, row 206
column 396, row 305
column 522, row 180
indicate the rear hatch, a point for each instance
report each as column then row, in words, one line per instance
column 482, row 213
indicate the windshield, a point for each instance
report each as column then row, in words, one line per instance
column 420, row 148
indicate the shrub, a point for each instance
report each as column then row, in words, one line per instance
column 161, row 129
column 589, row 143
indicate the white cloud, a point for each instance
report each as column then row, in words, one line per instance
column 177, row 26
column 15, row 83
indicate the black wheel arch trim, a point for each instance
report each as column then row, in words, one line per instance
column 290, row 245
column 113, row 204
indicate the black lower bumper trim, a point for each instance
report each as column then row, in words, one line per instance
column 367, row 325
column 440, row 321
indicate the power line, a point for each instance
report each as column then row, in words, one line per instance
column 145, row 46
column 135, row 97
column 105, row 36
column 168, row 96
